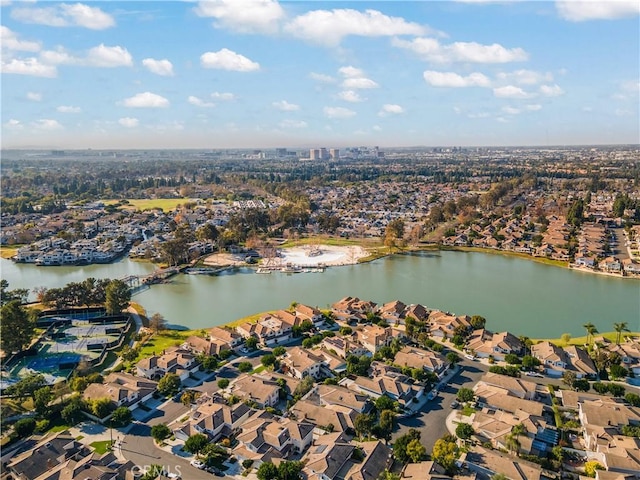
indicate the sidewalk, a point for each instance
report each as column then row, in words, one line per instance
column 94, row 432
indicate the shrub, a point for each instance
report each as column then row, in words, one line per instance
column 24, row 427
column 223, row 383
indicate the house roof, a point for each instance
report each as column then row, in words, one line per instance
column 493, row 461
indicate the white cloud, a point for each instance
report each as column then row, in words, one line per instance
column 511, row 110
column 226, row 59
column 34, row 96
column 451, row 79
column 292, row 124
column 29, row 66
column 286, row 106
column 526, row 77
column 358, row 83
column 47, row 124
column 198, row 102
column 376, row 128
column 129, row 122
column 350, row 96
column 68, row 109
column 329, row 27
column 13, row 124
column 390, row 109
column 533, row 107
column 65, row 15
column 510, row 91
column 9, row 41
column 350, row 72
column 103, row 56
column 582, row 10
column 245, row 16
column 160, row 67
column 59, row 57
column 551, row 90
column 470, row 52
column 338, row 112
column 226, row 96
column 322, row 78
column 146, row 100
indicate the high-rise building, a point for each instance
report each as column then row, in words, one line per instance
column 314, row 154
column 334, row 153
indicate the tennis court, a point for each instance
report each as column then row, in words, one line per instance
column 55, row 362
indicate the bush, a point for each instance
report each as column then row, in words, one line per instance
column 121, row 417
column 247, row 463
column 245, row 367
column 223, row 383
column 24, row 427
column 42, row 425
column 160, row 432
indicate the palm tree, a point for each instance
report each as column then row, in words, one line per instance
column 591, row 330
column 619, row 328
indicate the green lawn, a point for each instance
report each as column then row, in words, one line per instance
column 583, row 340
column 336, row 241
column 250, row 319
column 101, row 447
column 165, row 204
column 258, row 369
column 163, row 340
column 468, row 410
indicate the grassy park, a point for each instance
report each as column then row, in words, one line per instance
column 164, row 204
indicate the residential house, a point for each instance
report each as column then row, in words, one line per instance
column 352, row 309
column 392, row 312
column 421, row 359
column 256, row 389
column 344, row 347
column 300, row 362
column 271, row 329
column 374, row 337
column 122, row 389
column 179, row 361
column 331, row 418
column 603, row 419
column 427, row 470
column 490, row 462
column 205, row 346
column 393, row 384
column 620, row 455
column 445, row 325
column 214, row 419
column 417, row 311
column 494, row 397
column 485, row 344
column 223, row 335
column 338, row 395
column 557, row 360
column 517, row 387
column 327, row 456
column 377, row 459
column 305, row 312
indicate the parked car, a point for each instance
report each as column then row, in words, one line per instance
column 468, row 356
column 534, row 374
column 197, row 464
column 455, row 404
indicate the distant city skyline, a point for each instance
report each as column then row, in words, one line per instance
column 266, row 74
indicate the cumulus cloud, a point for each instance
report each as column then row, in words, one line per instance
column 103, row 56
column 551, row 90
column 285, row 106
column 350, row 72
column 451, row 79
column 34, row 96
column 510, row 91
column 390, row 109
column 29, row 66
column 525, row 77
column 47, row 124
column 10, row 41
column 358, row 83
column 65, row 15
column 198, row 102
column 160, row 67
column 146, row 100
column 68, row 109
column 322, row 78
column 129, row 122
column 583, row 10
column 511, row 110
column 13, row 124
column 226, row 96
column 247, row 16
column 226, row 59
column 329, row 27
column 338, row 112
column 350, row 96
column 470, row 52
column 292, row 124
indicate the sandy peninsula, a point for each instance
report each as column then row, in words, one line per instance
column 306, row 255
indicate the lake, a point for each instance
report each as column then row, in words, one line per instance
column 524, row 297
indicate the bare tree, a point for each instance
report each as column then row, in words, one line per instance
column 158, row 322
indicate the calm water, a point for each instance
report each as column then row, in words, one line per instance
column 521, row 296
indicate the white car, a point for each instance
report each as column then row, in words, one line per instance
column 534, row 374
column 197, row 464
column 468, row 356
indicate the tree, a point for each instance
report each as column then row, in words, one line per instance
column 72, row 412
column 617, row 371
column 279, row 351
column 465, row 395
column 251, row 343
column 157, row 322
column 394, row 232
column 464, row 431
column 633, row 399
column 416, row 451
column 304, row 387
column 188, row 397
column 24, row 427
column 384, row 402
column 160, row 432
column 453, row 357
column 529, row 362
column 41, row 399
column 27, row 386
column 591, row 466
column 401, row 443
column 565, row 337
column 582, row 385
column 17, row 327
column 268, row 360
column 445, row 452
column 363, row 424
column 207, row 232
column 386, row 424
column 195, row 443
column 169, row 385
column 118, row 297
column 129, row 354
column 600, row 387
column 619, row 328
column 569, row 378
column 245, row 367
column 616, row 390
column 121, row 417
column 223, row 383
column 267, row 471
column 478, row 322
column 512, row 359
column 591, row 331
column 101, row 407
column 209, row 363
column 289, row 470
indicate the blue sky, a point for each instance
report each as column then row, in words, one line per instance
column 262, row 73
